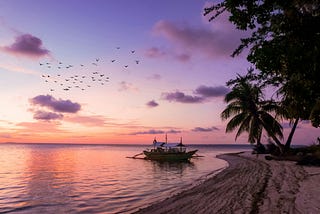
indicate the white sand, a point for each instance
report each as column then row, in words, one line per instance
column 250, row 185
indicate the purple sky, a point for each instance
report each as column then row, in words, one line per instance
column 117, row 72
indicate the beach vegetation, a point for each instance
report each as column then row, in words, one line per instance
column 250, row 112
column 284, row 49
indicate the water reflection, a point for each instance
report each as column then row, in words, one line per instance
column 50, row 175
column 176, row 168
column 89, row 179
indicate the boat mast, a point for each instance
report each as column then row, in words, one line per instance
column 166, row 139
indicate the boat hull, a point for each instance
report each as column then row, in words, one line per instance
column 169, row 156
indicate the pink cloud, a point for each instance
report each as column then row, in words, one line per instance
column 206, row 41
column 39, row 127
column 27, row 45
column 183, row 57
column 153, row 131
column 155, row 52
column 98, row 121
column 44, row 115
column 126, row 86
column 57, row 105
column 154, row 77
column 201, row 94
column 152, row 104
column 182, row 98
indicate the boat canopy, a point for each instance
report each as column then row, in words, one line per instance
column 169, row 145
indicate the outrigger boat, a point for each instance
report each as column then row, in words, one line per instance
column 164, row 151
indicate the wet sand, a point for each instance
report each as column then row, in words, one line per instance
column 250, row 184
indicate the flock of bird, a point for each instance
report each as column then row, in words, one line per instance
column 86, row 76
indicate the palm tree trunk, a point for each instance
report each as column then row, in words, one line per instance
column 289, row 140
column 277, row 141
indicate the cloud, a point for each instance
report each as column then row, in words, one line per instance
column 126, row 86
column 44, row 115
column 152, row 104
column 183, row 57
column 207, row 91
column 9, row 66
column 65, row 106
column 201, row 94
column 154, row 77
column 155, row 52
column 5, row 135
column 200, row 129
column 211, row 43
column 181, row 97
column 39, row 127
column 26, row 45
column 151, row 131
column 154, row 131
column 95, row 121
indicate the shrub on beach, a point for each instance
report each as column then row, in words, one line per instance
column 273, row 149
column 310, row 155
column 259, row 149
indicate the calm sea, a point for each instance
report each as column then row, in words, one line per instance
column 55, row 178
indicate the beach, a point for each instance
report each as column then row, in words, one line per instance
column 250, row 184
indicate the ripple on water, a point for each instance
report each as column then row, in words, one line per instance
column 89, row 179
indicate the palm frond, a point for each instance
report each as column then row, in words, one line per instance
column 235, row 122
column 244, row 127
column 232, row 109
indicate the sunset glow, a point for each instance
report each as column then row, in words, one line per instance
column 117, row 71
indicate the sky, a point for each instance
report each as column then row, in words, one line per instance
column 118, row 72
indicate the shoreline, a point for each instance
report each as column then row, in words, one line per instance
column 250, row 184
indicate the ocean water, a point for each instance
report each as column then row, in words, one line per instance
column 55, row 178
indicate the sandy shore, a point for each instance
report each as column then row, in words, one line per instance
column 249, row 185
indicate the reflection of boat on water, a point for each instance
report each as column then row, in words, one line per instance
column 164, row 151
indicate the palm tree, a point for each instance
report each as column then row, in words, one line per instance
column 250, row 112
